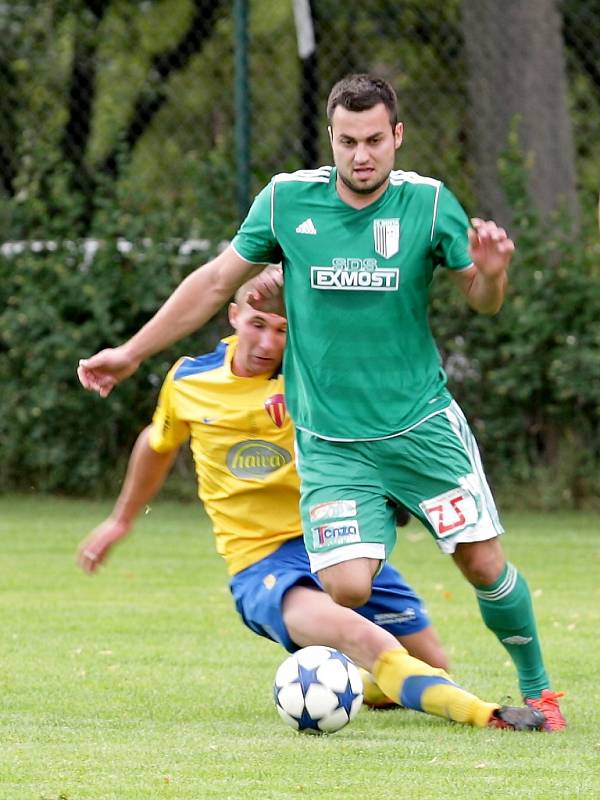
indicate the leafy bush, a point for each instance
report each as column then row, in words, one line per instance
column 61, row 303
column 529, row 378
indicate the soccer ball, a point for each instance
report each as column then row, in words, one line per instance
column 318, row 690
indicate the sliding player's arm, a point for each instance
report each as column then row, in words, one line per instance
column 146, row 472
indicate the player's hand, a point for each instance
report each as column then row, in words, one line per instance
column 490, row 248
column 267, row 292
column 93, row 550
column 103, row 371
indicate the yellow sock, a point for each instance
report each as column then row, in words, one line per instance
column 416, row 685
column 372, row 694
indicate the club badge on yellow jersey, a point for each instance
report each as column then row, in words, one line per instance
column 275, row 407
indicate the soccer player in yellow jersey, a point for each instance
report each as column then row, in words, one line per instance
column 230, row 403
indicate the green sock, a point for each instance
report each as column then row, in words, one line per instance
column 507, row 611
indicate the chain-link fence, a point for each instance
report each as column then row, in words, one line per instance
column 133, row 134
column 195, row 103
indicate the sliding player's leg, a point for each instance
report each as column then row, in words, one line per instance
column 312, row 617
column 395, row 606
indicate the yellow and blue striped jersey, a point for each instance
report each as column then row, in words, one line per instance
column 242, row 441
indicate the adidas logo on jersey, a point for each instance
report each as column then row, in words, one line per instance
column 307, row 227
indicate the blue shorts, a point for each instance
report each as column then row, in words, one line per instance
column 258, row 592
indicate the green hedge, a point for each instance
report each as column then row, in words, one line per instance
column 528, row 379
column 57, row 309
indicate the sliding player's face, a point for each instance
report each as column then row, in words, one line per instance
column 364, row 147
column 261, row 339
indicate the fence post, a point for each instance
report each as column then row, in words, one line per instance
column 242, row 106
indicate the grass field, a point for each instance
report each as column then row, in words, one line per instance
column 141, row 683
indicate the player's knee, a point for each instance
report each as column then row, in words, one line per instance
column 349, row 582
column 350, row 595
column 480, row 562
column 485, row 570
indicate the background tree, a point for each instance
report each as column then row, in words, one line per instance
column 516, row 67
column 94, row 76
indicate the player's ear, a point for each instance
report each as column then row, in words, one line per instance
column 232, row 313
column 398, row 133
column 330, row 132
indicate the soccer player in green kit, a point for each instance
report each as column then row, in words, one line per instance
column 359, row 244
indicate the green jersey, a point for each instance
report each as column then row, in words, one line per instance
column 360, row 361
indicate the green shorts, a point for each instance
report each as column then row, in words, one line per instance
column 349, row 490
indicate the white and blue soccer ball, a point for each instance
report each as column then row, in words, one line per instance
column 318, row 690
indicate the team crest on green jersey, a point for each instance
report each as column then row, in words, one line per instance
column 386, row 233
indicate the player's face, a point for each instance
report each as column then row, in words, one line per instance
column 364, row 148
column 261, row 339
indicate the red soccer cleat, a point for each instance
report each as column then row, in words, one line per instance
column 547, row 703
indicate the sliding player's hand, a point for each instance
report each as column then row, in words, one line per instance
column 94, row 549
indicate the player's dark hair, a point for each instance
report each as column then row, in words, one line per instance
column 360, row 92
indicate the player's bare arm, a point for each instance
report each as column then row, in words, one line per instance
column 484, row 284
column 146, row 472
column 197, row 298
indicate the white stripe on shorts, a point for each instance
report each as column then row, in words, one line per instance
column 461, row 428
column 347, row 552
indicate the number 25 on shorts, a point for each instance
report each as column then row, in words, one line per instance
column 451, row 512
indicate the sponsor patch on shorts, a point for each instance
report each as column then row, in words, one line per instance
column 451, row 512
column 339, row 509
column 395, row 618
column 336, row 533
